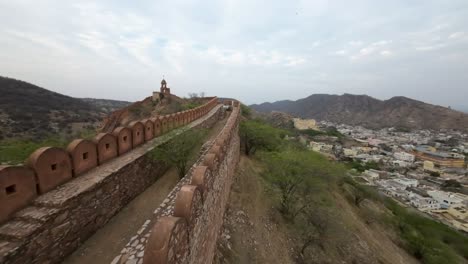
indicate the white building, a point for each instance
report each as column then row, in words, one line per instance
column 445, row 199
column 400, row 163
column 407, row 182
column 423, row 203
column 404, row 156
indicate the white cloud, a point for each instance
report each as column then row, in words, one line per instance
column 316, row 44
column 457, row 35
column 386, row 53
column 341, row 52
column 355, row 43
column 217, row 44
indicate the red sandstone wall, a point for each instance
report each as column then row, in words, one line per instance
column 17, row 189
column 65, row 217
column 106, row 145
column 190, row 231
column 52, row 167
column 83, row 154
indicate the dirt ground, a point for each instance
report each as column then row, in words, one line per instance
column 250, row 233
column 355, row 240
column 253, row 231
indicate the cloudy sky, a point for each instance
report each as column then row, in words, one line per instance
column 255, row 51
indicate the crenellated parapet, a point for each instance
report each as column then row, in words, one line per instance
column 49, row 167
column 187, row 224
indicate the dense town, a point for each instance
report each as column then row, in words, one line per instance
column 422, row 169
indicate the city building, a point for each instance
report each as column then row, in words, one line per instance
column 423, row 203
column 404, row 156
column 407, row 182
column 439, row 158
column 303, row 124
column 445, row 199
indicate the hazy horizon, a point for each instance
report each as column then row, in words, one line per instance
column 255, row 51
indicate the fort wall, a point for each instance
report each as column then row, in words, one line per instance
column 185, row 228
column 76, row 196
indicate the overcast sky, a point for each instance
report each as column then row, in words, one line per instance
column 255, row 51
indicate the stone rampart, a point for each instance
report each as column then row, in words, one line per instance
column 185, row 228
column 66, row 195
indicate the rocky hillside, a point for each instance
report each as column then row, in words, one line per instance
column 277, row 119
column 106, row 105
column 370, row 112
column 27, row 110
column 148, row 108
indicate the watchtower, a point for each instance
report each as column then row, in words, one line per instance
column 164, row 89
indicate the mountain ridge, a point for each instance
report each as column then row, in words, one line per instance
column 398, row 111
column 27, row 110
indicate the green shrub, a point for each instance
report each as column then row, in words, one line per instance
column 246, row 111
column 257, row 135
column 16, row 151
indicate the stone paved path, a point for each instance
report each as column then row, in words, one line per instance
column 109, row 240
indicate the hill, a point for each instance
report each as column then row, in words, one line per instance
column 147, row 108
column 370, row 112
column 29, row 111
column 106, row 105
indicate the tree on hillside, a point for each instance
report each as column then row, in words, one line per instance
column 287, row 171
column 177, row 151
column 314, row 224
column 257, row 135
column 246, row 111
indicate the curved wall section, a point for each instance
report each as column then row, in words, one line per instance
column 83, row 154
column 124, row 139
column 17, row 189
column 106, row 145
column 52, row 165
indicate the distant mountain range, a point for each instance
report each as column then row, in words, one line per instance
column 27, row 110
column 370, row 112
